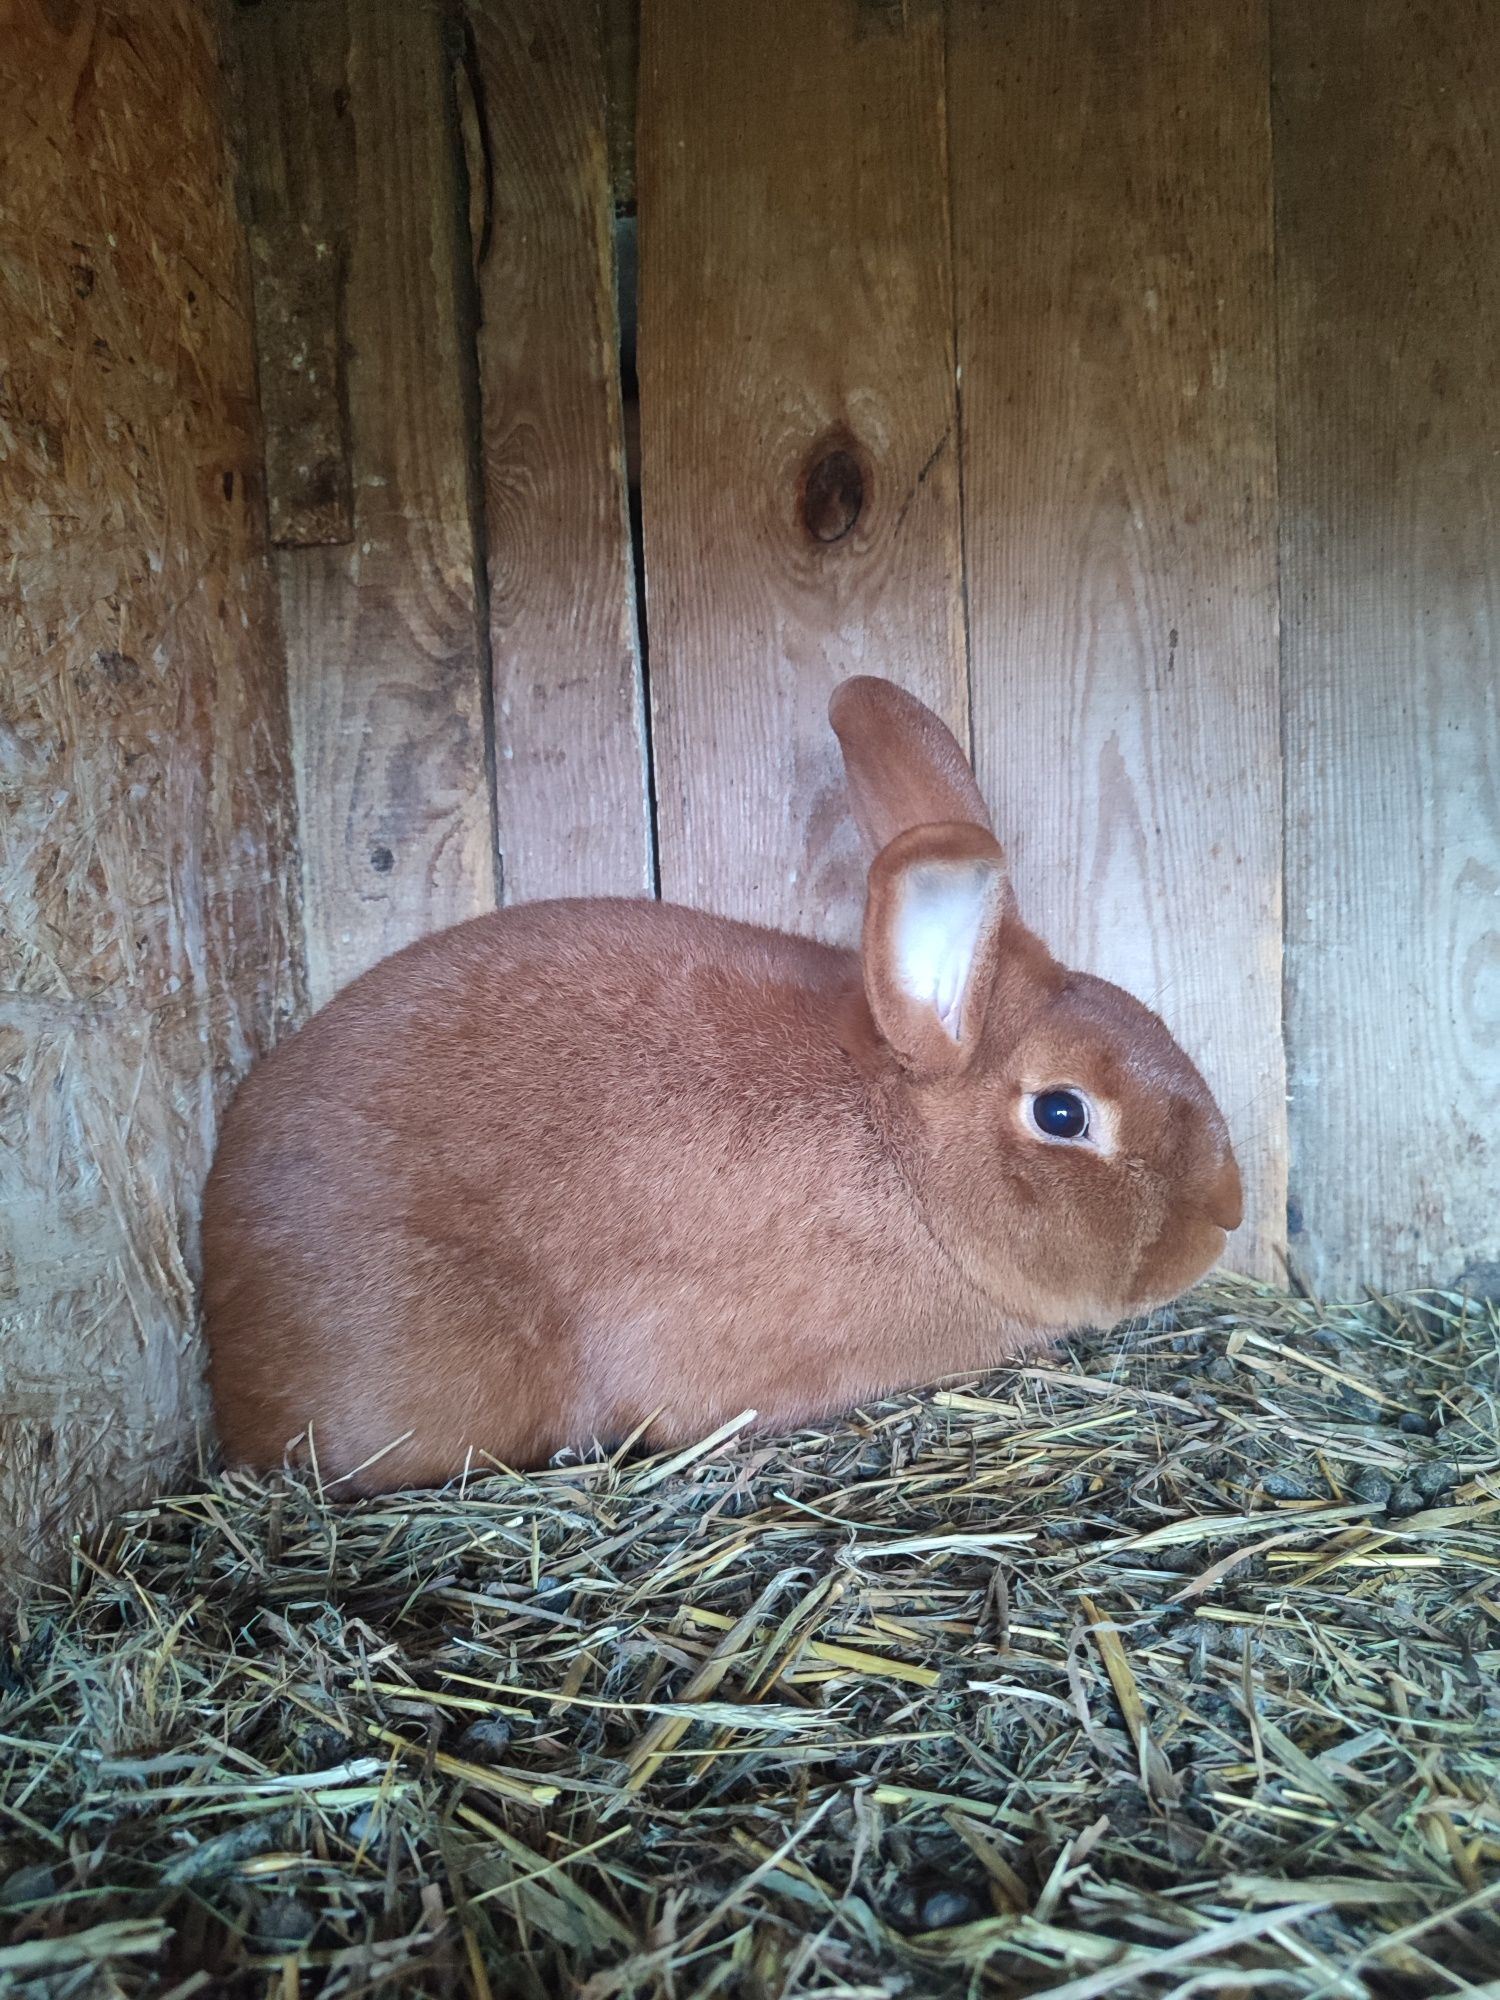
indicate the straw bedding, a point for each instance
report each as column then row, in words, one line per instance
column 1162, row 1669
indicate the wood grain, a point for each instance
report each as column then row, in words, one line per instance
column 1111, row 183
column 350, row 133
column 1388, row 204
column 795, row 302
column 572, row 795
column 147, row 843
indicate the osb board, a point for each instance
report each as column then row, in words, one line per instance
column 1111, row 189
column 145, row 836
column 352, row 168
column 799, row 467
column 1388, row 243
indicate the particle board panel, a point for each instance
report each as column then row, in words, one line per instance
column 148, row 919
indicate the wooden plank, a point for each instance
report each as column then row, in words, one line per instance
column 622, row 57
column 795, row 313
column 350, row 135
column 572, row 796
column 1112, row 251
column 1388, row 205
column 147, row 843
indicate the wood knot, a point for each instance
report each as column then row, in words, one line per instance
column 833, row 494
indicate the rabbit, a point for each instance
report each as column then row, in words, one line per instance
column 581, row 1172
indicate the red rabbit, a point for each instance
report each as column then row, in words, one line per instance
column 572, row 1166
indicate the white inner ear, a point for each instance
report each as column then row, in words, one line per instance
column 943, row 913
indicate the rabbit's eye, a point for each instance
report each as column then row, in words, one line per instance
column 1060, row 1114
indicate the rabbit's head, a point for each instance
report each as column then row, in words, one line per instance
column 1065, row 1151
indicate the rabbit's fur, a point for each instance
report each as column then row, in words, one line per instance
column 572, row 1167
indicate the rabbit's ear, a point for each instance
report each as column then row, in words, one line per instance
column 937, row 898
column 904, row 766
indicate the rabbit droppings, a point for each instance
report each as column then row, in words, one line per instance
column 574, row 1166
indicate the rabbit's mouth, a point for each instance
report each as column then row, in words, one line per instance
column 1186, row 1250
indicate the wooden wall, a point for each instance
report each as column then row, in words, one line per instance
column 1387, row 141
column 1113, row 248
column 1115, row 377
column 147, row 905
column 360, row 256
column 448, row 497
column 796, row 341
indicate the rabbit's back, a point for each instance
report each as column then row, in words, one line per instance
column 535, row 1178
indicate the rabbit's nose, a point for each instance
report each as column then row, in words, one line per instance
column 1226, row 1199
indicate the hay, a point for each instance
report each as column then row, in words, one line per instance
column 1163, row 1672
